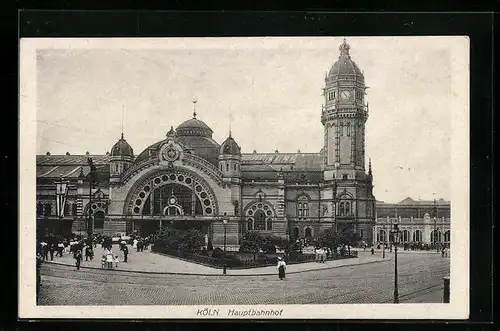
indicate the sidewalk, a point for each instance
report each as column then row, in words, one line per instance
column 148, row 262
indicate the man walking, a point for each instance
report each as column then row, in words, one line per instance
column 125, row 253
column 78, row 258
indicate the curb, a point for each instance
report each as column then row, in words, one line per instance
column 218, row 275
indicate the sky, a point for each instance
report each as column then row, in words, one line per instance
column 267, row 91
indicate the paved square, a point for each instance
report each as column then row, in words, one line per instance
column 420, row 280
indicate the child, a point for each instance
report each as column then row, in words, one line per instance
column 116, row 261
column 103, row 262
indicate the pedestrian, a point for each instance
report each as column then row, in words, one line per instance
column 52, row 248
column 281, row 268
column 125, row 253
column 60, row 248
column 78, row 258
column 109, row 259
column 88, row 250
column 373, row 251
column 116, row 261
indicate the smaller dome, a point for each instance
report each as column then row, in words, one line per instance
column 122, row 148
column 230, row 147
column 194, row 127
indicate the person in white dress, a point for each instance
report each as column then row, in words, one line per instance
column 281, row 268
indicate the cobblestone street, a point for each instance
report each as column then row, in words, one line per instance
column 420, row 280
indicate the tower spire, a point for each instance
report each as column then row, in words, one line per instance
column 230, row 122
column 370, row 166
column 122, row 121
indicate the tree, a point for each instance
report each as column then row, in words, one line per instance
column 350, row 238
column 329, row 237
column 191, row 240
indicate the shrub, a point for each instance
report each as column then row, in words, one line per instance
column 210, row 247
column 217, row 253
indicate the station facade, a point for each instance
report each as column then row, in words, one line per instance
column 189, row 180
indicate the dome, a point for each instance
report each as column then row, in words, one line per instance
column 194, row 127
column 230, row 147
column 345, row 67
column 122, row 148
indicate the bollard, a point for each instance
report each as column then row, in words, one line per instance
column 446, row 291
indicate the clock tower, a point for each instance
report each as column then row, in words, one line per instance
column 344, row 116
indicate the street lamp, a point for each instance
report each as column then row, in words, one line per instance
column 224, row 223
column 91, row 177
column 395, row 237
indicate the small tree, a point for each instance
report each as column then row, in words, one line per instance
column 191, row 240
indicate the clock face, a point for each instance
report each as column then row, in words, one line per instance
column 172, row 200
column 345, row 95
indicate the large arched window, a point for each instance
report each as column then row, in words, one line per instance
column 302, row 207
column 259, row 220
column 417, row 236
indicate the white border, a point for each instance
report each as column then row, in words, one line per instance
column 459, row 272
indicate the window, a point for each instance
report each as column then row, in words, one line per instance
column 116, row 167
column 302, row 207
column 308, row 232
column 331, row 95
column 341, row 209
column 227, row 166
column 348, row 129
column 234, row 166
column 74, row 209
column 341, row 128
column 405, row 236
column 221, row 167
column 381, row 236
column 47, row 210
column 447, row 237
column 99, row 220
column 417, row 236
column 296, row 232
column 347, row 208
column 345, row 176
column 361, row 233
column 250, row 224
column 435, row 236
column 259, row 220
column 39, row 209
column 269, row 224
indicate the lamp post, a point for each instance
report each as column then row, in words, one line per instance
column 91, row 178
column 224, row 223
column 435, row 227
column 395, row 237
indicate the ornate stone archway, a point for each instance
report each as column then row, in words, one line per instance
column 145, row 186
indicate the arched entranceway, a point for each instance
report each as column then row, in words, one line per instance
column 175, row 198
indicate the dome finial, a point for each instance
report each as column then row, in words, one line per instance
column 344, row 48
column 122, row 135
column 194, row 107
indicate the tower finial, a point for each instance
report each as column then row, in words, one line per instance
column 344, row 48
column 194, row 107
column 370, row 166
column 230, row 122
column 122, row 119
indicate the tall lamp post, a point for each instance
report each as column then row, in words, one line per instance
column 224, row 223
column 435, row 227
column 91, row 177
column 395, row 237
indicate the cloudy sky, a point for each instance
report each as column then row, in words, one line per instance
column 268, row 90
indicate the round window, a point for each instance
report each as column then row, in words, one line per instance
column 147, row 188
column 172, row 177
column 199, row 188
column 180, row 178
column 208, row 210
column 138, row 202
column 203, row 195
column 157, row 180
column 142, row 195
column 137, row 210
column 206, row 202
column 164, row 178
column 188, row 180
